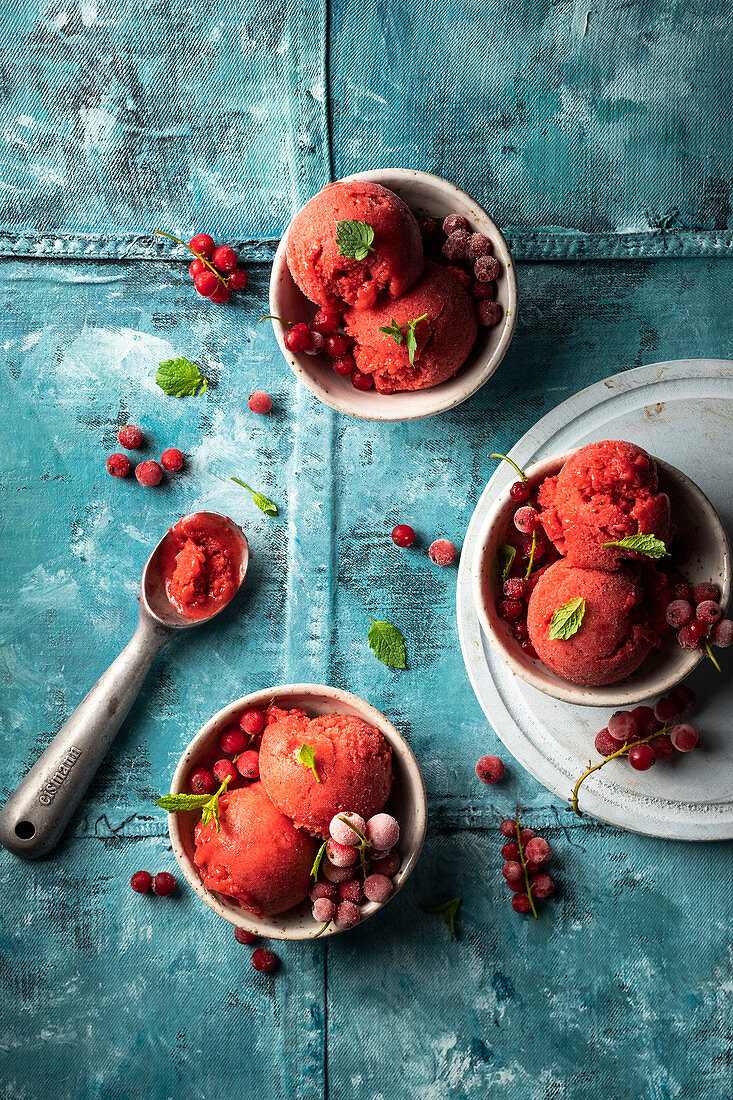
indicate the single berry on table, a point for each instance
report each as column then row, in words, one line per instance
column 232, row 742
column 641, row 757
column 706, row 591
column 489, row 313
column 315, row 344
column 537, row 850
column 172, row 459
column 163, row 884
column 691, row 635
column 510, row 850
column 684, row 737
column 454, row 223
column 383, row 831
column 486, row 269
column 149, row 473
column 389, row 865
column 490, row 769
column 224, row 258
column 326, row 321
column 344, row 365
column 442, row 552
column 722, row 633
column 526, row 520
column 241, row 935
column 679, row 613
column 511, row 609
column 377, row 888
column 361, row 381
column 203, row 244
column 710, row 612
column 684, row 699
column 130, row 437
column 221, row 295
column 201, row 781
column 259, row 402
column 238, row 279
column 118, row 465
column 480, row 245
column 541, row 885
column 324, row 910
column 264, row 960
column 604, row 743
column 347, row 915
column 224, row 769
column 248, row 764
column 323, row 890
column 351, row 891
column 298, row 338
column 665, row 709
column 341, row 855
column 141, row 882
column 663, row 747
column 337, row 344
column 521, row 903
column 455, row 247
column 519, row 491
column 403, row 535
column 347, row 828
column 206, row 282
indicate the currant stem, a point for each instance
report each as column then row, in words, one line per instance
column 244, row 486
column 709, row 653
column 272, row 317
column 321, row 930
column 521, row 473
column 532, row 549
column 198, row 255
column 623, row 751
column 523, row 861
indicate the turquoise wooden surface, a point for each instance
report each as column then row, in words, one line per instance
column 228, row 122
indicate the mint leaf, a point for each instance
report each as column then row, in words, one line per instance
column 404, row 333
column 448, row 911
column 180, row 378
column 392, row 330
column 318, row 860
column 354, row 239
column 387, row 644
column 306, row 755
column 505, row 556
column 647, row 545
column 211, row 809
column 263, row 503
column 567, row 619
column 208, row 803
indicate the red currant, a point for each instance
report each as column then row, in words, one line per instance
column 489, row 313
column 201, row 781
column 691, row 635
column 315, row 344
column 490, row 769
column 224, row 258
column 520, row 630
column 508, row 827
column 196, row 267
column 510, row 850
column 163, row 884
column 641, row 757
column 149, row 473
column 337, row 344
column 684, row 737
column 224, row 769
column 515, row 588
column 221, row 295
column 264, row 960
column 252, row 721
column 361, row 381
column 260, row 402
column 203, row 244
column 403, row 535
column 519, row 491
column 130, row 437
column 645, row 721
column 206, row 283
column 604, row 743
column 118, row 465
column 344, row 365
column 527, row 647
column 706, row 591
column 684, row 699
column 526, row 520
column 248, row 764
column 683, row 592
column 241, row 935
column 542, row 885
column 623, row 726
column 298, row 338
column 663, row 747
column 141, row 882
column 521, row 903
column 510, row 609
column 238, row 279
column 326, row 321
column 232, row 742
column 708, row 611
column 172, row 459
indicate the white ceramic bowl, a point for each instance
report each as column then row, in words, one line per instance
column 406, row 802
column 426, row 195
column 669, row 665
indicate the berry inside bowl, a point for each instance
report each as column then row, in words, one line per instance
column 407, row 803
column 427, row 196
column 707, row 558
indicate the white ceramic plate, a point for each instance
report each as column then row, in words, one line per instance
column 682, row 412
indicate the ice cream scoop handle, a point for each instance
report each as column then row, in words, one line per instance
column 38, row 810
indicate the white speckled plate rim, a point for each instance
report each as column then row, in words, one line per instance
column 511, row 706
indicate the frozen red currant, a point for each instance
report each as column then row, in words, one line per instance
column 455, row 222
column 684, row 592
column 118, row 465
column 347, row 915
column 248, row 764
column 341, row 855
column 442, row 552
column 260, row 402
column 679, row 613
column 489, row 313
column 480, row 245
column 163, row 884
column 542, row 885
column 623, row 726
column 641, row 757
column 203, row 244
column 141, row 882
column 508, row 827
column 646, row 723
column 298, row 338
column 510, row 850
column 483, row 292
column 241, row 935
column 526, row 520
column 512, row 871
column 519, row 491
column 388, row 865
column 221, row 295
column 521, row 903
column 337, row 344
column 403, row 535
column 709, row 612
column 377, row 888
column 515, row 588
column 490, row 769
column 224, row 769
column 201, row 781
column 232, row 742
column 537, row 850
column 130, row 437
column 604, row 743
column 510, row 609
column 527, row 647
column 224, row 258
column 663, row 747
column 525, row 835
column 344, row 365
column 455, row 247
column 460, row 275
column 722, row 633
column 264, row 960
column 324, row 910
column 326, row 321
column 691, row 635
column 486, row 269
column 361, row 381
column 206, row 282
column 520, row 630
column 315, row 344
column 238, row 279
column 149, row 473
column 351, row 891
column 172, row 459
column 252, row 721
column 324, row 890
column 665, row 710
column 706, row 591
column 684, row 737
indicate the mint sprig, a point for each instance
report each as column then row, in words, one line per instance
column 207, row 803
column 648, row 545
column 355, row 239
column 180, row 378
column 318, row 861
column 404, row 334
column 448, row 911
column 567, row 619
column 387, row 644
column 505, row 556
column 306, row 755
column 263, row 503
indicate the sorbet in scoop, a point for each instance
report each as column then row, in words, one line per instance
column 258, row 856
column 353, row 762
column 201, row 565
column 316, row 259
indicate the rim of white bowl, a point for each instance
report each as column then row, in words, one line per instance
column 608, row 695
column 446, row 395
column 269, row 927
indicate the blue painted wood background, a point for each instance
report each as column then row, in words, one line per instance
column 598, row 135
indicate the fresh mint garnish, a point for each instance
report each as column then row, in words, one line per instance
column 180, row 378
column 387, row 644
column 404, row 334
column 355, row 239
column 318, row 861
column 505, row 556
column 647, row 545
column 306, row 755
column 259, row 499
column 448, row 911
column 207, row 803
column 567, row 619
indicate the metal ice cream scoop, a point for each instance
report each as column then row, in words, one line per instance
column 36, row 814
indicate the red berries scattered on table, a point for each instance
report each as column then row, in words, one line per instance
column 163, row 884
column 264, row 960
column 130, row 437
column 403, row 535
column 172, row 459
column 260, row 402
column 490, row 769
column 149, row 473
column 118, row 465
column 442, row 552
column 241, row 935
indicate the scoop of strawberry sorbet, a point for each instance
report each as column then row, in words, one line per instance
column 353, row 761
column 329, row 278
column 620, row 626
column 603, row 493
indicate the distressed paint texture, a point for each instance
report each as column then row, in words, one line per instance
column 594, row 133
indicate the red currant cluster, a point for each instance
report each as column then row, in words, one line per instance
column 646, row 735
column 148, row 473
column 525, row 855
column 322, row 335
column 214, row 268
column 470, row 261
column 242, row 743
column 696, row 615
